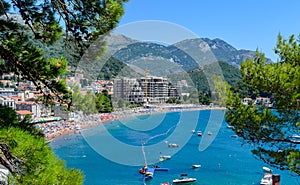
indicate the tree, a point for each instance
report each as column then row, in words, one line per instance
column 205, row 98
column 23, row 39
column 8, row 117
column 219, row 95
column 31, row 161
column 273, row 133
column 103, row 102
column 42, row 23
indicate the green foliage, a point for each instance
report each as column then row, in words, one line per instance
column 173, row 100
column 231, row 74
column 40, row 25
column 281, row 79
column 220, row 90
column 40, row 166
column 205, row 98
column 103, row 102
column 8, row 117
column 23, row 43
column 270, row 131
column 111, row 69
column 85, row 103
column 92, row 103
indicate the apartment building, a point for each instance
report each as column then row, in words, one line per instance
column 7, row 101
column 29, row 106
column 150, row 89
column 128, row 89
column 155, row 88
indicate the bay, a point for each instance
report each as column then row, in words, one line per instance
column 112, row 153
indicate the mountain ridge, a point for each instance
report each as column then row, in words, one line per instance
column 219, row 49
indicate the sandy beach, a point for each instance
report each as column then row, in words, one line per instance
column 62, row 127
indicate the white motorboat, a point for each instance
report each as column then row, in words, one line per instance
column 267, row 179
column 266, row 169
column 173, row 145
column 230, row 126
column 184, row 180
column 196, row 165
column 164, row 157
column 199, row 133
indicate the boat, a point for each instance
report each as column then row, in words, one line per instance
column 267, row 179
column 184, row 179
column 148, row 176
column 143, row 170
column 149, row 173
column 173, row 145
column 164, row 157
column 230, row 126
column 196, row 165
column 199, row 133
column 193, row 131
column 295, row 136
column 234, row 136
column 267, row 170
column 209, row 133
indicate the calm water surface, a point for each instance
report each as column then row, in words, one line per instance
column 224, row 162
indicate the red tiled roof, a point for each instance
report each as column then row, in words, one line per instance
column 23, row 112
column 15, row 97
column 25, row 102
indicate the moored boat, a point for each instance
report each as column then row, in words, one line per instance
column 184, row 179
column 199, row 133
column 230, row 126
column 173, row 145
column 266, row 169
column 143, row 170
column 196, row 165
column 267, row 179
column 164, row 157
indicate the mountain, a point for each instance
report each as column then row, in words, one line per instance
column 224, row 51
column 188, row 54
column 217, row 49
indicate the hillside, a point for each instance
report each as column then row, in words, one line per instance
column 174, row 61
column 188, row 54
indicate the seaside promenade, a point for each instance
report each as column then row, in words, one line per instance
column 62, row 127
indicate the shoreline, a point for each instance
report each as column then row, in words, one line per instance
column 62, row 128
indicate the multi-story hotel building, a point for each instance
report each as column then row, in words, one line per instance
column 145, row 89
column 128, row 89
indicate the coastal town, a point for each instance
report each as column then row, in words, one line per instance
column 151, row 92
column 106, row 92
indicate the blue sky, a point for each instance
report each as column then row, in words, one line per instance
column 249, row 24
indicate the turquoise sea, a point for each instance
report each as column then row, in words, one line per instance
column 112, row 153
